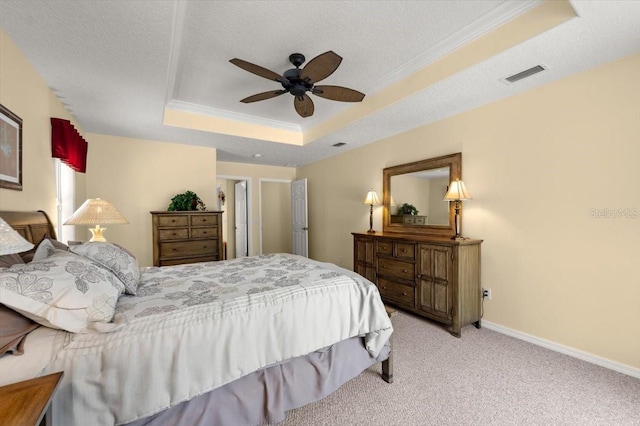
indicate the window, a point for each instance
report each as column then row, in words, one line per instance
column 65, row 197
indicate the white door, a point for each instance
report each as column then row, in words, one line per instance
column 242, row 244
column 299, row 219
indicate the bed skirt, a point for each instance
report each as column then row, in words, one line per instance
column 264, row 396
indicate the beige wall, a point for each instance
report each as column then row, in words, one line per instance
column 536, row 165
column 438, row 209
column 25, row 94
column 254, row 173
column 410, row 190
column 138, row 176
column 276, row 217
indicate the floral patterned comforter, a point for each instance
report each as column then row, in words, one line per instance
column 167, row 289
column 193, row 328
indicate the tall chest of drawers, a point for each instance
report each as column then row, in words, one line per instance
column 186, row 237
column 435, row 277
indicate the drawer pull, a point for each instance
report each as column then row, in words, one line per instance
column 404, row 270
column 404, row 250
column 173, row 220
column 174, row 249
column 175, row 233
column 404, row 293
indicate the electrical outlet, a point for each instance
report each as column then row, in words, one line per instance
column 486, row 293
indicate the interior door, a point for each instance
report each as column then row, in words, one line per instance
column 242, row 241
column 299, row 218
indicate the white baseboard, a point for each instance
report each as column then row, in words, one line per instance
column 584, row 356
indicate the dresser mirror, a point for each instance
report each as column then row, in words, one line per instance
column 420, row 187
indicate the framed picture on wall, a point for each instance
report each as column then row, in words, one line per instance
column 10, row 150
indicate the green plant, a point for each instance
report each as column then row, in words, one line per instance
column 186, row 201
column 407, row 209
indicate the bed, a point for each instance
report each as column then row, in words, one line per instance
column 236, row 342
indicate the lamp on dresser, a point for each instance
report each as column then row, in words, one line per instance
column 372, row 200
column 456, row 193
column 96, row 211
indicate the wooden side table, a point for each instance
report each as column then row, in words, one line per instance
column 28, row 403
column 387, row 365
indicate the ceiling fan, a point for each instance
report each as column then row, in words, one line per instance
column 298, row 81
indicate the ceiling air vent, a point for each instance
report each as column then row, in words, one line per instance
column 339, row 144
column 524, row 74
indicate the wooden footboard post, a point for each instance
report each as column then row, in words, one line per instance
column 387, row 365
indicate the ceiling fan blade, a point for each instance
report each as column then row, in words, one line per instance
column 303, row 105
column 258, row 70
column 337, row 93
column 321, row 67
column 262, row 96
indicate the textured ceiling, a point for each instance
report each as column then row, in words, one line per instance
column 118, row 64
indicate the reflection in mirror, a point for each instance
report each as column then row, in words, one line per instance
column 413, row 196
column 423, row 190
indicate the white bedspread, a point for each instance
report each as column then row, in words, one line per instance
column 196, row 327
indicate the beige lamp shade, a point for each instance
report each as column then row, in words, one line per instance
column 96, row 211
column 10, row 241
column 457, row 191
column 372, row 198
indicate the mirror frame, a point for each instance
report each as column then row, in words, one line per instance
column 454, row 162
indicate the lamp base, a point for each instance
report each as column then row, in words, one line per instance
column 371, row 231
column 97, row 234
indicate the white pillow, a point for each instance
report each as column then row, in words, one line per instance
column 115, row 258
column 64, row 291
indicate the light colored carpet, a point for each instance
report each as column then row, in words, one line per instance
column 483, row 378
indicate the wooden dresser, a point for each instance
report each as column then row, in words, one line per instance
column 435, row 277
column 186, row 237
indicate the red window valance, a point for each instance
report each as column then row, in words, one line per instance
column 68, row 145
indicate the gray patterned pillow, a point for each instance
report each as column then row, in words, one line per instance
column 64, row 291
column 115, row 258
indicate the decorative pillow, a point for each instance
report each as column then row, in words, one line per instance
column 64, row 291
column 46, row 249
column 13, row 329
column 31, row 255
column 10, row 259
column 115, row 258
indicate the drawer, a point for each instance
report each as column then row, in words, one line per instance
column 420, row 220
column 397, row 269
column 397, row 292
column 173, row 234
column 169, row 262
column 204, row 219
column 384, row 247
column 189, row 248
column 170, row 220
column 405, row 250
column 204, row 232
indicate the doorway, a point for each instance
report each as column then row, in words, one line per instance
column 275, row 216
column 237, row 214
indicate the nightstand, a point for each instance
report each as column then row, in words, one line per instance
column 28, row 403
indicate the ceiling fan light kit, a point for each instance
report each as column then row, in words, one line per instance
column 298, row 81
